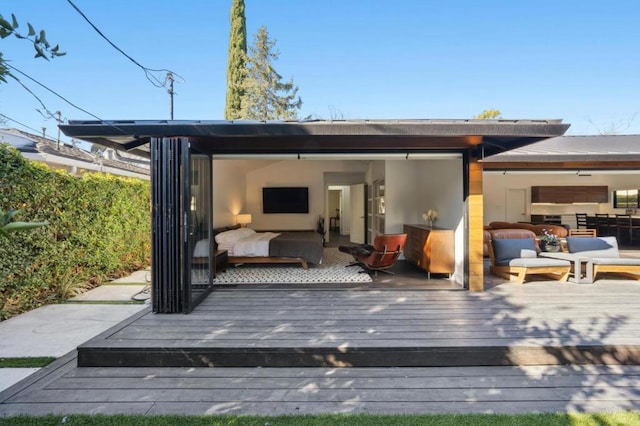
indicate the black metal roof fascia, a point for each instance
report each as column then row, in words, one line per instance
column 146, row 128
column 510, row 133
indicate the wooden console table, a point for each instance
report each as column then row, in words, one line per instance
column 431, row 249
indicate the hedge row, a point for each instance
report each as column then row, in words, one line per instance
column 99, row 228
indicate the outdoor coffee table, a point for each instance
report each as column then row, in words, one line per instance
column 577, row 265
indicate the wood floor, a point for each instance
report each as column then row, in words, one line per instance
column 541, row 346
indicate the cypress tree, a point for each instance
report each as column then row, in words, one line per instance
column 236, row 61
column 266, row 97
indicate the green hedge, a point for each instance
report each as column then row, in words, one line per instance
column 99, row 228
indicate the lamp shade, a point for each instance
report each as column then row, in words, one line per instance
column 243, row 219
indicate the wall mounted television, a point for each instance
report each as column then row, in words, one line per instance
column 285, row 200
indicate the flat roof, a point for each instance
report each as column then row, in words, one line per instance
column 595, row 152
column 320, row 136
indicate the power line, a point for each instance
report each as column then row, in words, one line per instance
column 50, row 90
column 61, row 97
column 147, row 71
column 44, row 107
column 25, row 126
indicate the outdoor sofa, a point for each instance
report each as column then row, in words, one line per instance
column 514, row 231
column 603, row 253
column 514, row 255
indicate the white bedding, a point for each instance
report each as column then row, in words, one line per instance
column 252, row 245
column 255, row 245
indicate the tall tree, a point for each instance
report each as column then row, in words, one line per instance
column 266, row 96
column 236, row 61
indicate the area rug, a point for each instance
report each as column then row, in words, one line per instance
column 332, row 270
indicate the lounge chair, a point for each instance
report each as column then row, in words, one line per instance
column 604, row 255
column 515, row 258
column 380, row 256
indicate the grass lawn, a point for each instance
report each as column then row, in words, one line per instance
column 621, row 418
column 26, row 362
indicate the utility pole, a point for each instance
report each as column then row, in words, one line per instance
column 171, row 92
column 58, row 114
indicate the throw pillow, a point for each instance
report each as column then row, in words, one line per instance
column 512, row 248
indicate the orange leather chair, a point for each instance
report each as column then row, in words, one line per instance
column 380, row 256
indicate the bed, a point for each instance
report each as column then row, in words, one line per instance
column 245, row 245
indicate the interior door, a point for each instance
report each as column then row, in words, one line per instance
column 516, row 205
column 357, row 219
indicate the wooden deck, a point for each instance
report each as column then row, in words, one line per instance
column 541, row 346
column 533, row 324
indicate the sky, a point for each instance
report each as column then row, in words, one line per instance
column 354, row 59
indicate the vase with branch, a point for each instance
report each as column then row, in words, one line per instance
column 430, row 216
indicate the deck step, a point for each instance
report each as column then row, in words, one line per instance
column 109, row 356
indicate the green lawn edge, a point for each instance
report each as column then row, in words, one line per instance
column 573, row 419
column 25, row 362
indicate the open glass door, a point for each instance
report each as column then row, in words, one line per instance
column 200, row 247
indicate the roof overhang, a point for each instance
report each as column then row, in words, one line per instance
column 344, row 136
column 596, row 152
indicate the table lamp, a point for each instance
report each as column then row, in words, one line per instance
column 243, row 219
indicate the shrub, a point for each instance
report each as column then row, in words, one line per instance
column 99, row 227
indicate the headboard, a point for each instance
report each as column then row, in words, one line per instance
column 216, row 231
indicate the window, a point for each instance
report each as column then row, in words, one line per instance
column 625, row 199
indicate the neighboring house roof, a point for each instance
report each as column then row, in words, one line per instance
column 600, row 151
column 38, row 148
column 335, row 136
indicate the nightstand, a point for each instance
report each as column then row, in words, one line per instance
column 220, row 261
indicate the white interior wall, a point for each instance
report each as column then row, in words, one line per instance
column 402, row 194
column 229, row 192
column 442, row 185
column 305, row 173
column 413, row 186
column 442, row 189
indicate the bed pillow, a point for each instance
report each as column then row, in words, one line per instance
column 234, row 235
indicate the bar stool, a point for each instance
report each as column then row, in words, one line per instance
column 625, row 225
column 581, row 220
column 604, row 226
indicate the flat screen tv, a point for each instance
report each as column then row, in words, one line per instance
column 285, row 200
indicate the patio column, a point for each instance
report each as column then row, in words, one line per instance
column 475, row 232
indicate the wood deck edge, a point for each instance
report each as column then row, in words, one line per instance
column 361, row 357
column 47, row 373
column 102, row 337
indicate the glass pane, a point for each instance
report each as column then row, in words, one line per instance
column 633, row 198
column 200, row 225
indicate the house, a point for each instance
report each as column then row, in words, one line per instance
column 73, row 159
column 205, row 173
column 601, row 162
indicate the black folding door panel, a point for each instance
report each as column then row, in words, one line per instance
column 170, row 279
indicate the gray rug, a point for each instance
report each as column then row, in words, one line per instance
column 332, row 270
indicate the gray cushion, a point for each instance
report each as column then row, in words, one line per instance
column 511, row 248
column 593, row 247
column 537, row 262
column 628, row 261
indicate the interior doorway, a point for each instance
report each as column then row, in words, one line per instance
column 334, row 201
column 516, row 205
